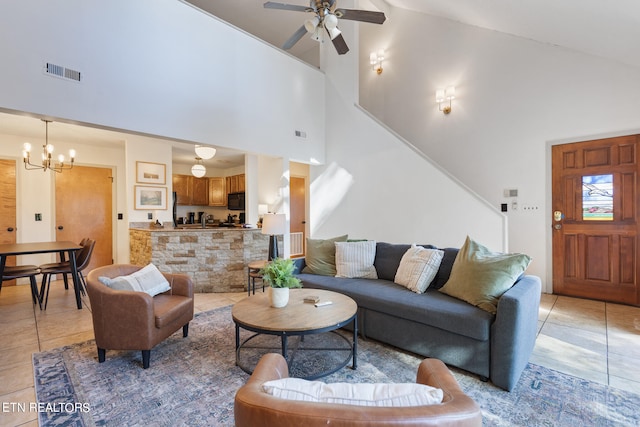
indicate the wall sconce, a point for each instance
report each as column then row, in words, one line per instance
column 375, row 59
column 445, row 95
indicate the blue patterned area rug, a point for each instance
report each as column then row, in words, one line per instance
column 192, row 381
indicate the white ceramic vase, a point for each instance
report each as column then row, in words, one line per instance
column 279, row 297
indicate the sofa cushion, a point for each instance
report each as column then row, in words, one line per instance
column 480, row 276
column 444, row 271
column 321, row 256
column 361, row 394
column 388, row 257
column 148, row 279
column 431, row 308
column 355, row 259
column 417, row 268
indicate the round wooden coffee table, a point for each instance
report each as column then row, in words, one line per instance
column 299, row 319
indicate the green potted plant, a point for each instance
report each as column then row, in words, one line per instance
column 278, row 274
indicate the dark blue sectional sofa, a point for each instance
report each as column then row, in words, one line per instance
column 495, row 347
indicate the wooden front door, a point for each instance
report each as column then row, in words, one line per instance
column 298, row 214
column 595, row 219
column 8, row 207
column 83, row 209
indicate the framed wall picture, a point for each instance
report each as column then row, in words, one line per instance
column 151, row 173
column 150, row 198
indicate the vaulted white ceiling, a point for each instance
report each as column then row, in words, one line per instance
column 609, row 29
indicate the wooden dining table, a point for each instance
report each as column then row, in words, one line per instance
column 70, row 248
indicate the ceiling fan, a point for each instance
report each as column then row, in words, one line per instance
column 326, row 18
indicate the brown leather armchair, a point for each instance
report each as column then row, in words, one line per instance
column 255, row 408
column 128, row 320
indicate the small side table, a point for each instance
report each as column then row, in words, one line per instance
column 253, row 273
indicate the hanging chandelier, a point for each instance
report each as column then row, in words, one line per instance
column 47, row 153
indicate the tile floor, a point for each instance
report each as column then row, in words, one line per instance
column 589, row 339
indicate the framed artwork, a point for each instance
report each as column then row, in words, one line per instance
column 151, row 173
column 154, row 198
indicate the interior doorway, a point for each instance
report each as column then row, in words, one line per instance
column 8, row 227
column 595, row 208
column 84, row 209
column 297, row 194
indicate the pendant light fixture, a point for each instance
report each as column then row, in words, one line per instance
column 47, row 153
column 198, row 170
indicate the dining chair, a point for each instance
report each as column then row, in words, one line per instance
column 82, row 261
column 65, row 262
column 20, row 271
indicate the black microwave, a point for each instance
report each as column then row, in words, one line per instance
column 235, row 201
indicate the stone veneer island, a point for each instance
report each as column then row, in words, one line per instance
column 215, row 258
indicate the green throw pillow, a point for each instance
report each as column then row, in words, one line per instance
column 321, row 256
column 480, row 276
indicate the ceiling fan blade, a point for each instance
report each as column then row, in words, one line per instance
column 295, row 38
column 361, row 15
column 340, row 45
column 284, row 6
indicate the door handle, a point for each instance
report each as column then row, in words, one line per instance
column 557, row 226
column 60, row 227
column 10, row 229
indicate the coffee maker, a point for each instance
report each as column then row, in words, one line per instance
column 191, row 217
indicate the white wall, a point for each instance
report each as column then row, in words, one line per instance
column 152, row 67
column 376, row 187
column 513, row 97
column 159, row 67
column 35, row 193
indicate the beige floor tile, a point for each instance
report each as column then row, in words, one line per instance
column 577, row 338
column 569, row 367
column 624, row 366
column 546, row 304
column 54, row 325
column 18, row 377
column 66, row 340
column 570, row 358
column 622, row 343
column 19, row 400
column 624, row 384
column 580, row 314
column 11, row 357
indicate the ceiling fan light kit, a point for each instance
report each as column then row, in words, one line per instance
column 326, row 19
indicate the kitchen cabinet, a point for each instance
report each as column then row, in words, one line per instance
column 200, row 192
column 217, row 191
column 235, row 183
column 191, row 191
column 183, row 189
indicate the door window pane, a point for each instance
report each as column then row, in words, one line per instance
column 597, row 198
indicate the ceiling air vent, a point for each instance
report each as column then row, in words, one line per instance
column 62, row 72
